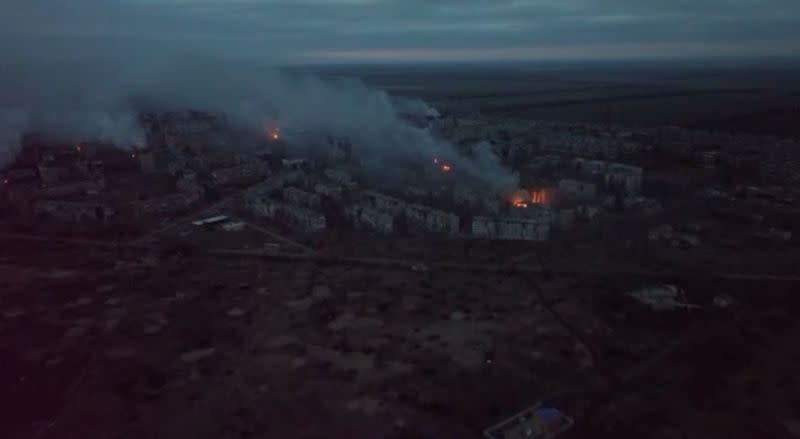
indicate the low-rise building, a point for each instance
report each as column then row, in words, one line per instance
column 364, row 217
column 340, row 177
column 577, row 189
column 328, row 190
column 262, row 206
column 431, row 220
column 306, row 219
column 242, row 174
column 383, row 202
column 72, row 211
column 624, row 178
column 74, row 188
column 164, row 205
column 233, row 226
column 523, row 229
column 299, row 197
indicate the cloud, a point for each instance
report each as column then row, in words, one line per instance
column 287, row 31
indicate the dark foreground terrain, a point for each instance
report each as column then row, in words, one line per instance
column 101, row 343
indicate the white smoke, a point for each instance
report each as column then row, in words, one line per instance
column 99, row 98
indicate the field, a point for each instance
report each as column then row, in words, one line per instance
column 697, row 95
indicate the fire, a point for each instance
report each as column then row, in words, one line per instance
column 446, row 168
column 525, row 197
column 539, row 196
column 274, row 133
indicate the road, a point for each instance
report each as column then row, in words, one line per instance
column 406, row 265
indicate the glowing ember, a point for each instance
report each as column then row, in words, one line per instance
column 539, row 197
column 446, row 168
column 274, row 133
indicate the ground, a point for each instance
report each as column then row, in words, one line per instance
column 105, row 344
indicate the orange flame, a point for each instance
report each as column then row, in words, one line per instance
column 446, row 167
column 274, row 133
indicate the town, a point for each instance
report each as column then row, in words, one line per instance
column 227, row 270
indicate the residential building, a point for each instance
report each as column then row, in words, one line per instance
column 242, row 174
column 72, row 211
column 524, row 229
column 577, row 189
column 299, row 197
column 383, row 202
column 165, row 205
column 364, row 217
column 432, row 220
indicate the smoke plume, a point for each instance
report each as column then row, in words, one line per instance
column 92, row 88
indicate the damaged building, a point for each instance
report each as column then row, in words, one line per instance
column 385, row 203
column 303, row 218
column 238, row 175
column 72, row 211
column 293, row 195
column 577, row 189
column 341, row 177
column 523, row 229
column 432, row 220
column 328, row 190
column 166, row 205
column 624, row 179
column 367, row 218
column 89, row 187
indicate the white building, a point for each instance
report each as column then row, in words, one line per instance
column 383, row 202
column 299, row 197
column 328, row 190
column 432, row 220
column 73, row 211
column 577, row 189
column 522, row 229
column 370, row 219
column 628, row 179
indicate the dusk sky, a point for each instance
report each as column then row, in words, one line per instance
column 297, row 31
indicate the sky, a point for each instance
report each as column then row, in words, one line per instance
column 341, row 31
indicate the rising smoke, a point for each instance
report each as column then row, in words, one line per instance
column 80, row 92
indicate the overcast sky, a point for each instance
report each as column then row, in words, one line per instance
column 295, row 31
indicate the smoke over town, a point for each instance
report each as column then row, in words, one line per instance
column 100, row 97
